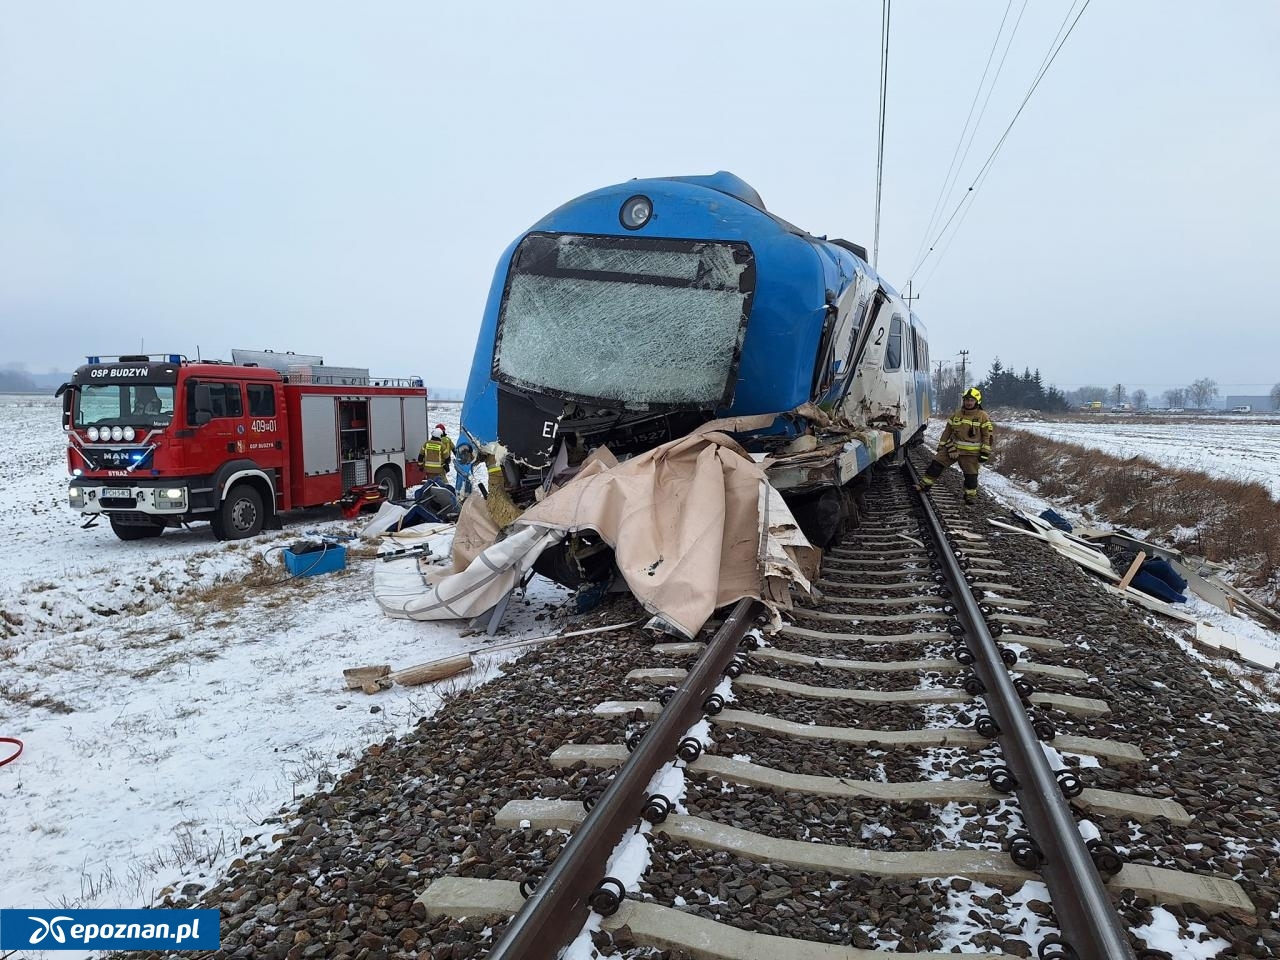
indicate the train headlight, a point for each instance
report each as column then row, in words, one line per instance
column 117, row 434
column 93, row 434
column 635, row 213
column 128, row 433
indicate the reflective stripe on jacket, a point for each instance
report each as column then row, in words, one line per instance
column 432, row 456
column 972, row 431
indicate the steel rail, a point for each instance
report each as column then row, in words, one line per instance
column 557, row 909
column 1089, row 922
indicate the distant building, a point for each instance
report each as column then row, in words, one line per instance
column 1256, row 404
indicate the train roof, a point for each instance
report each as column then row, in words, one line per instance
column 722, row 181
column 725, row 184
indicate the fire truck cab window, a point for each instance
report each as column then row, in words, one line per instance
column 262, row 400
column 224, row 401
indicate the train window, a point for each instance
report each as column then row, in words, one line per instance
column 893, row 350
column 647, row 322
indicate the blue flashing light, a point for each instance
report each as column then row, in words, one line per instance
column 175, row 358
column 93, row 359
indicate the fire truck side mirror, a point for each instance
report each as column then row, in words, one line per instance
column 202, row 405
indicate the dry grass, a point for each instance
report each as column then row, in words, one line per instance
column 232, row 595
column 1229, row 521
column 21, row 695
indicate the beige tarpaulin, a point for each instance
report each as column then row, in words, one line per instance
column 693, row 523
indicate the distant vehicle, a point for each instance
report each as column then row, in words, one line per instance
column 1243, row 408
column 1122, row 408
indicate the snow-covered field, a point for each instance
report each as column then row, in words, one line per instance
column 1218, row 447
column 168, row 710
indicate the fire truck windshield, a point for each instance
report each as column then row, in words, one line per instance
column 124, row 403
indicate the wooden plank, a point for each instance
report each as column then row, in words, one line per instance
column 435, row 670
column 359, row 677
column 1133, row 570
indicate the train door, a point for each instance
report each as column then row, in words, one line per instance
column 907, row 377
column 838, row 350
column 876, row 396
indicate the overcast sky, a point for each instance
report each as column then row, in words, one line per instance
column 341, row 179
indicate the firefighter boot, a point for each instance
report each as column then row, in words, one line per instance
column 970, row 489
column 931, row 474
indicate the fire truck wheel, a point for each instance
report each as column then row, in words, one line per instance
column 135, row 531
column 388, row 478
column 241, row 514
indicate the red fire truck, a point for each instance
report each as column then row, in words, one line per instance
column 159, row 441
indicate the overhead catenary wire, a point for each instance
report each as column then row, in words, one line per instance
column 966, row 201
column 953, row 168
column 884, row 87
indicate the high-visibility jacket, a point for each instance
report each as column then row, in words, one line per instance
column 972, row 432
column 435, row 455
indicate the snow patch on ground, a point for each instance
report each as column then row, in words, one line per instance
column 173, row 711
column 1235, row 451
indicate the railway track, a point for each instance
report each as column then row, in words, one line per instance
column 911, row 763
column 842, row 802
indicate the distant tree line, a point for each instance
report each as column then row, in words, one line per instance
column 1001, row 387
column 1027, row 391
column 1199, row 395
column 16, row 381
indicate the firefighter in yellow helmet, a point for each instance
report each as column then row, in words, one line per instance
column 967, row 438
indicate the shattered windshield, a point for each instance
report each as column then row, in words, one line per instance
column 120, row 404
column 643, row 322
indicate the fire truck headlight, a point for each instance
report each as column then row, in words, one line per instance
column 117, row 434
column 128, row 433
column 173, row 497
column 93, row 434
column 77, row 497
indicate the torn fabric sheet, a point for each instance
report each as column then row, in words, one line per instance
column 410, row 589
column 691, row 525
column 694, row 526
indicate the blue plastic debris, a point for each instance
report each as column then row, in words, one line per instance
column 317, row 559
column 1057, row 519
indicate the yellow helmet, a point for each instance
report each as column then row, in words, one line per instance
column 975, row 393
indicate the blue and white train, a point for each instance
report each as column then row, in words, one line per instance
column 635, row 313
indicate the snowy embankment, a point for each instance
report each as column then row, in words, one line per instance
column 1248, row 447
column 169, row 708
column 1218, row 448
